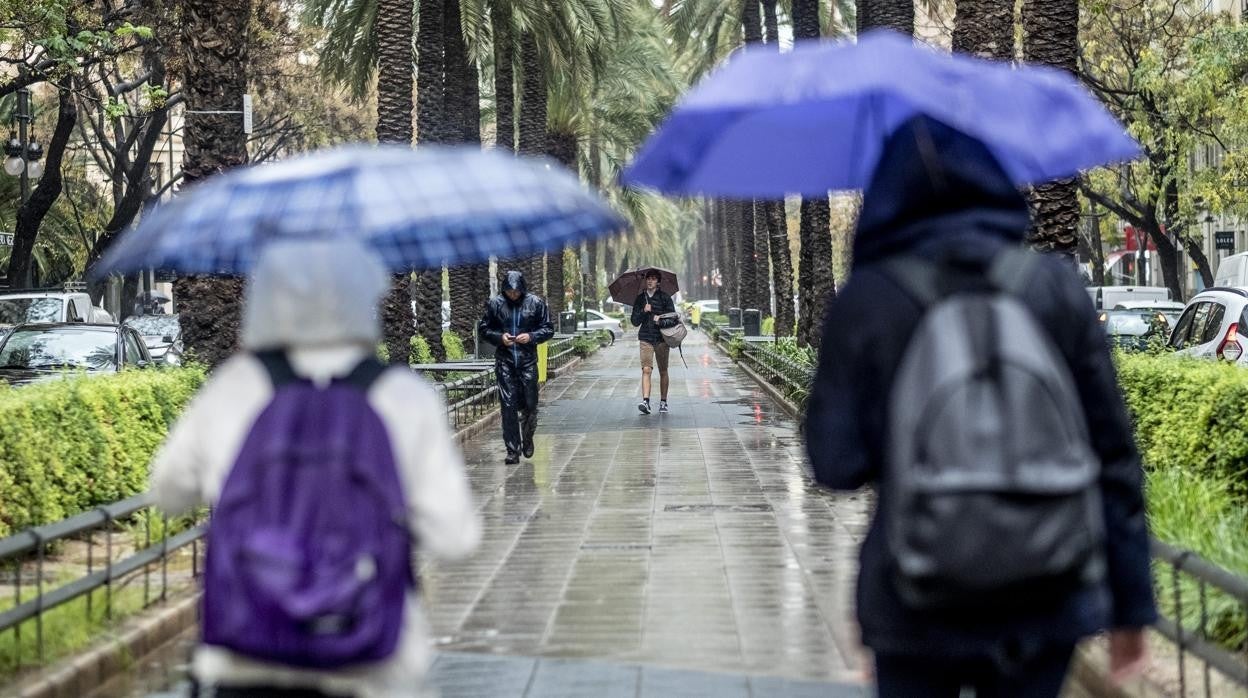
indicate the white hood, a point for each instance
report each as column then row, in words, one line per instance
column 314, row 294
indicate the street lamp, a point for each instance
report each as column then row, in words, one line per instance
column 23, row 154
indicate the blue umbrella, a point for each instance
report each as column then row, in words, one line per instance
column 417, row 209
column 814, row 119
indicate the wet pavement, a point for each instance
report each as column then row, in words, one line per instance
column 691, row 540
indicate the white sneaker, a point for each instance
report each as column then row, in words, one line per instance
column 663, row 407
column 644, row 406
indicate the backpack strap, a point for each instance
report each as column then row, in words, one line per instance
column 917, row 277
column 278, row 367
column 1012, row 269
column 365, row 374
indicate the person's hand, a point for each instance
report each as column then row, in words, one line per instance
column 647, row 308
column 508, row 340
column 524, row 338
column 1128, row 654
column 656, row 319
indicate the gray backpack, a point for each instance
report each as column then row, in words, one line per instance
column 991, row 479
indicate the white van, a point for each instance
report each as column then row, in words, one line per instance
column 1232, row 271
column 1108, row 297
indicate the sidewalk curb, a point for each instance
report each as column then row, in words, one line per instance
column 84, row 672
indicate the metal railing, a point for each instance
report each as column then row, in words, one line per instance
column 1204, row 607
column 129, row 554
column 793, row 377
column 1205, row 614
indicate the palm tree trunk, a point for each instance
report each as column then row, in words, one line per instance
column 563, row 147
column 897, row 15
column 762, row 258
column 781, row 267
column 532, row 135
column 806, row 19
column 985, row 28
column 431, row 127
column 1051, row 37
column 394, row 30
column 504, row 76
column 215, row 39
column 815, row 280
column 470, row 283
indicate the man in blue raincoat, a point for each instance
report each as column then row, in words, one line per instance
column 939, row 195
column 516, row 321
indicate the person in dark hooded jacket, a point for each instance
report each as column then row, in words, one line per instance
column 935, row 194
column 516, row 321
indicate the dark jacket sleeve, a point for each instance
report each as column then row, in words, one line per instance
column 545, row 328
column 639, row 313
column 1122, row 478
column 834, row 440
column 489, row 329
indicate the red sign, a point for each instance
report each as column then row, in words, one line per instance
column 1133, row 242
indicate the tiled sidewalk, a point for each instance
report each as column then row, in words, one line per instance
column 691, row 540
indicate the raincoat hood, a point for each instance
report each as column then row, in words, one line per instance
column 313, row 293
column 932, row 186
column 515, row 282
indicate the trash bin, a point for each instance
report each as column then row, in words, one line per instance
column 734, row 317
column 485, row 350
column 753, row 323
column 567, row 322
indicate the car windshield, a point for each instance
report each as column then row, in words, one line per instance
column 62, row 347
column 1135, row 323
column 155, row 325
column 17, row 311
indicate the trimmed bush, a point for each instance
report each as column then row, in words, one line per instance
column 1189, row 414
column 69, row 445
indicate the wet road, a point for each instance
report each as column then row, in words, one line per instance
column 659, row 555
column 692, row 539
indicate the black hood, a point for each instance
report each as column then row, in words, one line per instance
column 515, row 282
column 934, row 185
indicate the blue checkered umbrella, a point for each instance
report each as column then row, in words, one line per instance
column 418, row 209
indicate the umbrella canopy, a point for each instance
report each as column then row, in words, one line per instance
column 417, row 209
column 632, row 282
column 814, row 119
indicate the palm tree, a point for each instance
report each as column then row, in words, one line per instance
column 469, row 284
column 897, row 15
column 985, row 28
column 816, row 283
column 214, row 44
column 431, row 127
column 393, row 29
column 1051, row 37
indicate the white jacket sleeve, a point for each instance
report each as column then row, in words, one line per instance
column 188, row 468
column 430, row 463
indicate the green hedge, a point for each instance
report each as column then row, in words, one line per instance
column 67, row 446
column 1189, row 414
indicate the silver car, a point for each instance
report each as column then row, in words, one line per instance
column 595, row 320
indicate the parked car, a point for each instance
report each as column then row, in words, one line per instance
column 162, row 335
column 598, row 321
column 1134, row 330
column 1232, row 271
column 49, row 306
column 36, row 352
column 711, row 306
column 1170, row 309
column 1210, row 325
column 1106, row 297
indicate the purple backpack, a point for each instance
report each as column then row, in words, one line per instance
column 309, row 554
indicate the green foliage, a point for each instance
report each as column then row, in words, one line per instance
column 769, row 326
column 1189, row 414
column 587, row 343
column 1200, row 513
column 67, row 446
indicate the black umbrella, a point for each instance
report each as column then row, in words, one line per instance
column 631, row 283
